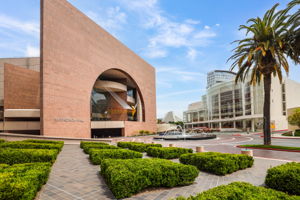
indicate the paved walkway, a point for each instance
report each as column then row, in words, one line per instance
column 74, row 178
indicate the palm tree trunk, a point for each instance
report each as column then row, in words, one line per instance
column 267, row 109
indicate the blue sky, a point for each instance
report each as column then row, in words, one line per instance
column 183, row 40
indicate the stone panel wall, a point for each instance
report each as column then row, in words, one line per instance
column 74, row 52
column 21, row 88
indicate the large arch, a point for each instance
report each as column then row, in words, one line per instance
column 74, row 52
column 115, row 97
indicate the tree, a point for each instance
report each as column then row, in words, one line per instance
column 294, row 119
column 264, row 53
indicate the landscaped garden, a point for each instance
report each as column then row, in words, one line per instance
column 126, row 172
column 25, row 167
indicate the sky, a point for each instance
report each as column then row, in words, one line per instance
column 183, row 40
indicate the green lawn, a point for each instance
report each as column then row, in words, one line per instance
column 269, row 146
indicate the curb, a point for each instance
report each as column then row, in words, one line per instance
column 293, row 138
column 287, row 150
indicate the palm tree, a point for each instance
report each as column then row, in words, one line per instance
column 264, row 53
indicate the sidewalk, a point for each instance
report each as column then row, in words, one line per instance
column 74, row 178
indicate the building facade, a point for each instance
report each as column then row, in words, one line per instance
column 227, row 105
column 85, row 84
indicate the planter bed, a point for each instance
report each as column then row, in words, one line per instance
column 217, row 163
column 14, row 156
column 98, row 155
column 30, row 145
column 137, row 146
column 83, row 143
column 167, row 152
column 240, row 191
column 285, row 178
column 128, row 177
column 88, row 147
column 271, row 147
column 22, row 181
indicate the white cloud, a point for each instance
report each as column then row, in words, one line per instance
column 167, row 32
column 32, row 51
column 155, row 53
column 218, row 24
column 192, row 54
column 16, row 25
column 111, row 19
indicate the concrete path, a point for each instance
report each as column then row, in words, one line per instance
column 73, row 177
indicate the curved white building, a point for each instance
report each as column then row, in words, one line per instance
column 227, row 105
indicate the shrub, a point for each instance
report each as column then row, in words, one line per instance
column 167, row 152
column 127, row 144
column 28, row 145
column 217, row 163
column 137, row 146
column 44, row 141
column 83, row 143
column 1, row 140
column 14, row 156
column 128, row 177
column 240, row 191
column 141, row 131
column 285, row 178
column 88, row 147
column 98, row 155
column 22, row 181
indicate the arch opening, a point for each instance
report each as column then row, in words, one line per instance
column 115, row 98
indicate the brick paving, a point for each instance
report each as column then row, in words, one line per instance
column 74, row 177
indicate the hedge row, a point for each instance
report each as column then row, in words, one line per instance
column 217, row 163
column 128, row 177
column 98, row 155
column 88, row 147
column 44, row 141
column 30, row 145
column 240, row 191
column 137, row 146
column 284, row 178
column 1, row 140
column 22, row 181
column 83, row 143
column 167, row 152
column 14, row 156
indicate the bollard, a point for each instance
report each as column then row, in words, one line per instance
column 171, row 145
column 247, row 152
column 200, row 149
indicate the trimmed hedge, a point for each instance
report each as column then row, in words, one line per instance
column 88, row 147
column 284, row 178
column 98, row 155
column 22, row 181
column 14, row 156
column 29, row 145
column 128, row 177
column 44, row 141
column 217, row 163
column 167, row 152
column 1, row 140
column 127, row 144
column 137, row 146
column 240, row 191
column 83, row 143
